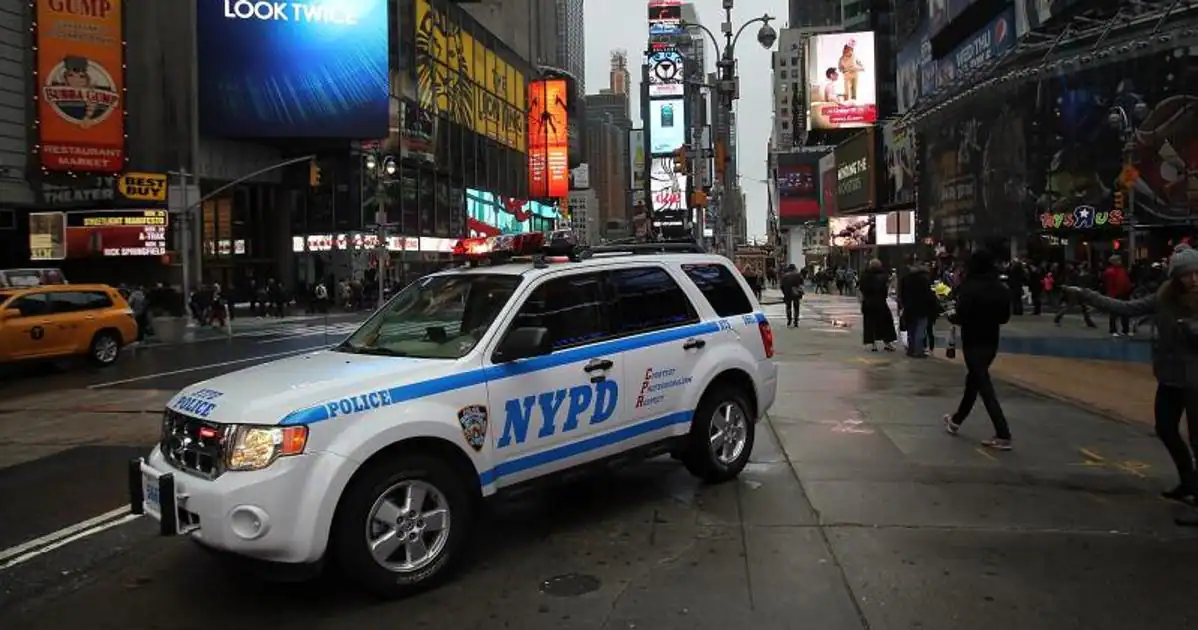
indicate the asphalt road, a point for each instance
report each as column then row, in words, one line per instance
column 857, row 513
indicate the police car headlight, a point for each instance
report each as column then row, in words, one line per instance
column 255, row 448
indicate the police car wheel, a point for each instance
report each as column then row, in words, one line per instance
column 721, row 437
column 402, row 525
column 104, row 349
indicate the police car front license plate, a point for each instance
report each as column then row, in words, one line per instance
column 150, row 493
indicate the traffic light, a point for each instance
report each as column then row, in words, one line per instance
column 313, row 174
column 680, row 161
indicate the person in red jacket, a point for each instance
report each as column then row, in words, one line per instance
column 1117, row 284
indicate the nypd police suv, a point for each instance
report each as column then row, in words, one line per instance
column 468, row 383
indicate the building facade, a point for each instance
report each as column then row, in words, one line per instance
column 457, row 135
column 818, row 13
column 608, row 126
column 571, row 40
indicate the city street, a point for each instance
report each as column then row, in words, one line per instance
column 857, row 512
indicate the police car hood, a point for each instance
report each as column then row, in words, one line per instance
column 267, row 393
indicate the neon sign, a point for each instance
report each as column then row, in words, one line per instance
column 1082, row 218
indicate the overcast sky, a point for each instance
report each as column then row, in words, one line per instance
column 624, row 24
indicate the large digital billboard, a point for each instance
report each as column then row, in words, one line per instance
column 100, row 233
column 665, row 73
column 827, row 185
column 843, row 76
column 798, row 188
column 548, row 140
column 667, row 189
column 293, row 69
column 665, row 17
column 81, row 84
column 894, row 228
column 488, row 214
column 856, row 191
column 667, row 125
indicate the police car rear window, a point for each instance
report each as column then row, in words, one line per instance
column 721, row 289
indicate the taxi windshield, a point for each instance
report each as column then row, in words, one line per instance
column 438, row 317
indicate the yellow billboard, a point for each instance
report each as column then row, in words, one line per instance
column 461, row 79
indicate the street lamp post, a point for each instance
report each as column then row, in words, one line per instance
column 726, row 95
column 382, row 176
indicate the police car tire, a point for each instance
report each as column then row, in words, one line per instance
column 348, row 544
column 698, row 458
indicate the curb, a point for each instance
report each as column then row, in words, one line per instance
column 1044, row 392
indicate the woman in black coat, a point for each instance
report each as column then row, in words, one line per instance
column 878, row 324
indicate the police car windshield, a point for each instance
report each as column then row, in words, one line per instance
column 438, row 317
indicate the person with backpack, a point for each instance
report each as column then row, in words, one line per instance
column 982, row 307
column 1174, row 308
column 792, row 293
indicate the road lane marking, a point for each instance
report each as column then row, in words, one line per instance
column 982, row 451
column 13, row 552
column 209, row 366
column 1091, row 455
column 26, row 557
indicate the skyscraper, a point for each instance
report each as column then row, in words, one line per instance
column 572, row 44
column 621, row 79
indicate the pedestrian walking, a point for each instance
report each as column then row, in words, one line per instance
column 983, row 304
column 877, row 322
column 1117, row 284
column 792, row 293
column 1174, row 308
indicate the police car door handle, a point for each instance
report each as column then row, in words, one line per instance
column 597, row 365
column 693, row 344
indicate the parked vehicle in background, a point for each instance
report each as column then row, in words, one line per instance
column 57, row 321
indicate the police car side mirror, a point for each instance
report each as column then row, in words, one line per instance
column 522, row 343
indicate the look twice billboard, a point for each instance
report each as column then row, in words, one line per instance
column 293, row 69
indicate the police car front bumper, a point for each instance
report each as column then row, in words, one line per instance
column 262, row 514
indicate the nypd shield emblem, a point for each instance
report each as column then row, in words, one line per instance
column 473, row 419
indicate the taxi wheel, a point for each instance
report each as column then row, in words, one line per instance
column 721, row 437
column 403, row 525
column 104, row 349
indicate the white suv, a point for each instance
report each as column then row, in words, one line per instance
column 467, row 384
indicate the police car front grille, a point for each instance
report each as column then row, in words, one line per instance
column 192, row 445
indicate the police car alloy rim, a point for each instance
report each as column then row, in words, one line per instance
column 106, row 349
column 408, row 526
column 729, row 433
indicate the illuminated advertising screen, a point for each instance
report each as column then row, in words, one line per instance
column 293, row 69
column 850, row 232
column 488, row 214
column 667, row 189
column 665, row 73
column 667, row 126
column 665, row 17
column 548, row 140
column 798, row 188
column 100, row 233
column 827, row 185
column 856, row 191
column 81, row 81
column 842, row 74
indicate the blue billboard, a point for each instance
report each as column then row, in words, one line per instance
column 316, row 69
column 982, row 48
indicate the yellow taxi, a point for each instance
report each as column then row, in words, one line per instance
column 64, row 320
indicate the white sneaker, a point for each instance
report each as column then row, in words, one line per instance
column 949, row 426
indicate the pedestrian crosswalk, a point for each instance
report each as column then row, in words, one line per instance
column 291, row 331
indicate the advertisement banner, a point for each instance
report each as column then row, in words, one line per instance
column 665, row 17
column 909, row 71
column 636, row 153
column 459, row 78
column 827, row 185
column 850, row 232
column 665, row 73
column 293, row 69
column 928, row 68
column 667, row 189
column 548, row 142
column 667, row 125
column 894, row 228
column 488, row 214
column 898, row 154
column 980, row 49
column 798, row 190
column 841, row 69
column 98, row 233
column 855, row 177
column 80, row 70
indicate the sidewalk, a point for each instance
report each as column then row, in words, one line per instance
column 1073, row 363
